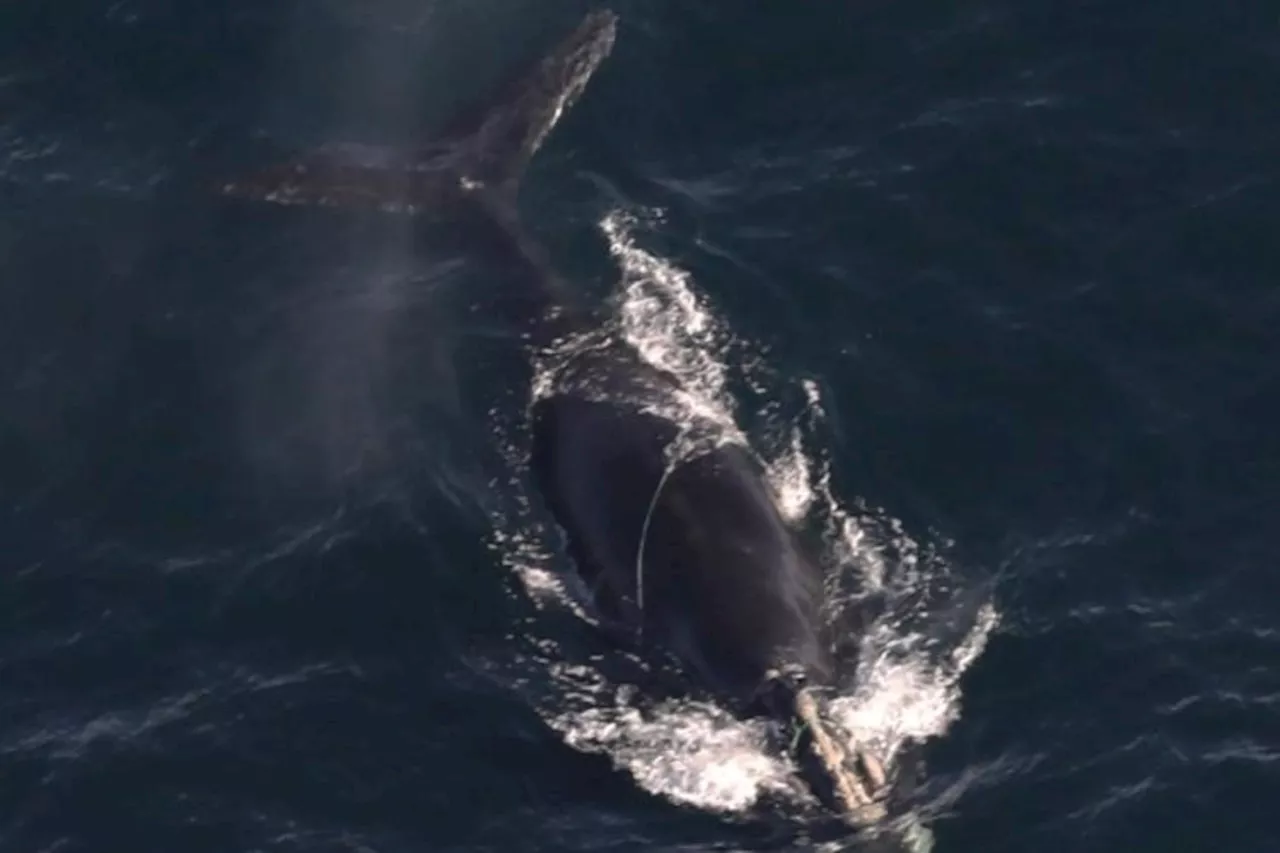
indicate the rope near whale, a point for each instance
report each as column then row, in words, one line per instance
column 644, row 533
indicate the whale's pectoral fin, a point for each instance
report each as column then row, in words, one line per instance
column 488, row 148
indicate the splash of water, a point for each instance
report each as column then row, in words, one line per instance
column 690, row 752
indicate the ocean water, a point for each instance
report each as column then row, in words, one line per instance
column 991, row 286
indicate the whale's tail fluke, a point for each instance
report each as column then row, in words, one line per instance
column 487, row 148
column 497, row 142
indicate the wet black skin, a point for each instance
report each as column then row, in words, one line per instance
column 722, row 583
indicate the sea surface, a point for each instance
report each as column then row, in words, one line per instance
column 993, row 287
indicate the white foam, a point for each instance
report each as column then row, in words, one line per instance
column 689, row 752
column 668, row 322
column 905, row 692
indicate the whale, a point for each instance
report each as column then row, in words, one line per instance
column 680, row 546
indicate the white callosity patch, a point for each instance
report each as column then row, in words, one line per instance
column 907, row 686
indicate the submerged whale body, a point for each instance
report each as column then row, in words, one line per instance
column 683, row 553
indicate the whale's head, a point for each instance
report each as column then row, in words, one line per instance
column 845, row 776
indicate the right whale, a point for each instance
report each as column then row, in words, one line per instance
column 684, row 553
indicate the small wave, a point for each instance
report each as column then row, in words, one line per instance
column 68, row 737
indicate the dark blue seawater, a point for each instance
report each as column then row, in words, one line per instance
column 1007, row 270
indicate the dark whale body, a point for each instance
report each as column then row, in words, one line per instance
column 688, row 555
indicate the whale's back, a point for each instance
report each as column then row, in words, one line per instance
column 692, row 556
